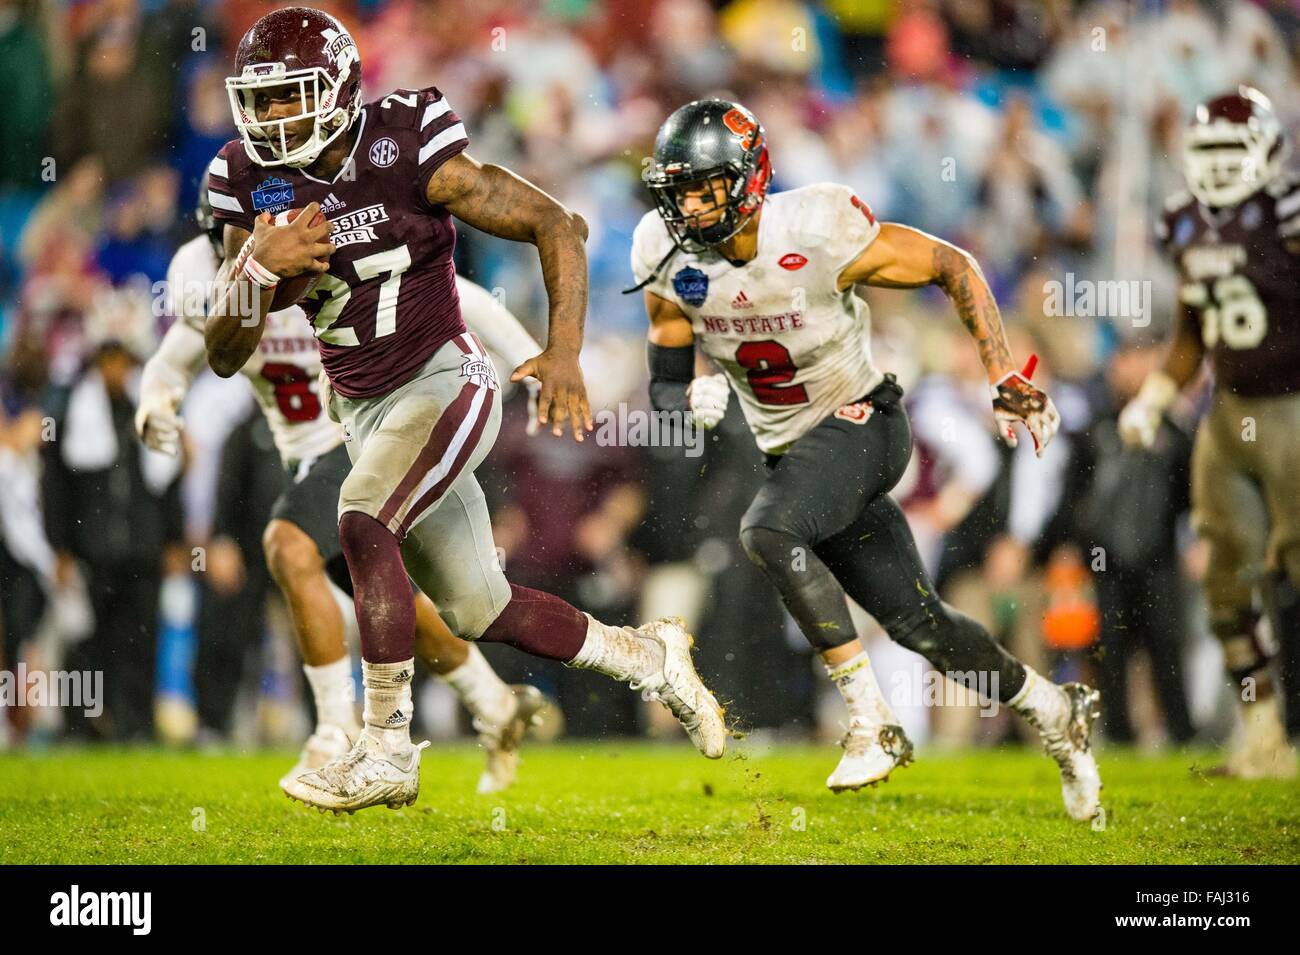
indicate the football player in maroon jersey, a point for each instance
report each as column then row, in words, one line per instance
column 417, row 397
column 1235, row 239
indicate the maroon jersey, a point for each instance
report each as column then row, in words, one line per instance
column 1239, row 272
column 389, row 299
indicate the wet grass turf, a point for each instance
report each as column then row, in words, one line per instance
column 632, row 802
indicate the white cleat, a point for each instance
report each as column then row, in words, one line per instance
column 364, row 776
column 1264, row 752
column 502, row 742
column 1070, row 746
column 327, row 744
column 677, row 686
column 871, row 753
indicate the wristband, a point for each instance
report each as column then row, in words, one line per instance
column 249, row 268
column 258, row 274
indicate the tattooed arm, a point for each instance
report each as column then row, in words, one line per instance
column 498, row 202
column 902, row 257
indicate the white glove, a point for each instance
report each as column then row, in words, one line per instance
column 1140, row 420
column 708, row 397
column 158, row 426
column 1016, row 400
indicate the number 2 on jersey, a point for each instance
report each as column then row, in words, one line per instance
column 336, row 293
column 770, row 369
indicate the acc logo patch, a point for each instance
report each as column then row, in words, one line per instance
column 691, row 286
column 273, row 195
column 858, row 412
column 383, row 152
column 792, row 261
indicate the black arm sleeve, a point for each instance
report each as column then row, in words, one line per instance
column 671, row 371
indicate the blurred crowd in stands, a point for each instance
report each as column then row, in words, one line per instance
column 1041, row 134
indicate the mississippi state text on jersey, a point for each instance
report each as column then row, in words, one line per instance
column 388, row 301
column 1238, row 270
column 794, row 346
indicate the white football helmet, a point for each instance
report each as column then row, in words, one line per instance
column 1232, row 148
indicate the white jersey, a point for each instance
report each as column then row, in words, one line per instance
column 282, row 371
column 794, row 347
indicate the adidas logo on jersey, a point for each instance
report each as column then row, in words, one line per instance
column 331, row 203
column 741, row 300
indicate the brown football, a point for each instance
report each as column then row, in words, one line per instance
column 292, row 290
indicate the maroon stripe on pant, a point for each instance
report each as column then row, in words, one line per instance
column 466, row 449
column 432, row 452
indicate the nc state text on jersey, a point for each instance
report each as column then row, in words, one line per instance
column 753, row 324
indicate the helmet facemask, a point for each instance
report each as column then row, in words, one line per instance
column 267, row 141
column 669, row 188
column 1226, row 163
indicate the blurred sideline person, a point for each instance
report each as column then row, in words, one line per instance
column 301, row 541
column 232, row 611
column 764, row 284
column 113, row 511
column 1132, row 511
column 1234, row 237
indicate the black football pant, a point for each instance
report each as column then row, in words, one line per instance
column 824, row 525
column 1140, row 607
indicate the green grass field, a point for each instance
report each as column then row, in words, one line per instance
column 630, row 802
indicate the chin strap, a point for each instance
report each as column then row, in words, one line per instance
column 653, row 275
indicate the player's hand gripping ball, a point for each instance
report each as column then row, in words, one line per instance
column 297, row 251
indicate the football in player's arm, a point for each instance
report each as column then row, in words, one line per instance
column 485, row 196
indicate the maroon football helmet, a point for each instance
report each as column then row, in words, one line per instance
column 1233, row 147
column 306, row 47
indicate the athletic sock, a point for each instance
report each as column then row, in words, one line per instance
column 484, row 694
column 384, row 602
column 856, row 682
column 388, row 706
column 1041, row 701
column 335, row 693
column 539, row 624
column 617, row 652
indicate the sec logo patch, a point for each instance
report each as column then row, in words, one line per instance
column 858, row 413
column 792, row 261
column 384, row 152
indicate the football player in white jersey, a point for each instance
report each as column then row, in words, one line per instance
column 301, row 542
column 765, row 286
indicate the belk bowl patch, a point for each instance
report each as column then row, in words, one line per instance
column 691, row 286
column 273, row 195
